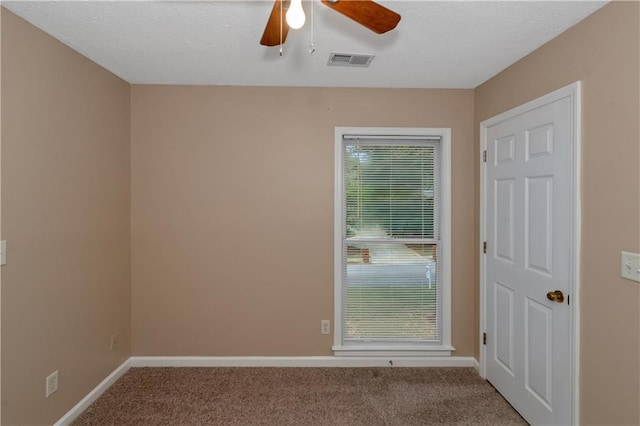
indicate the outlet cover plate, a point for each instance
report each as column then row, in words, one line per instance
column 630, row 266
column 115, row 341
column 51, row 384
column 325, row 327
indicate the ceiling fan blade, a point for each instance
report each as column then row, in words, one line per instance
column 372, row 15
column 271, row 35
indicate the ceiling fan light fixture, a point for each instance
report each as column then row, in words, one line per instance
column 295, row 15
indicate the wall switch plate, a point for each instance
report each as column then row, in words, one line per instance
column 325, row 326
column 51, row 384
column 630, row 266
column 3, row 252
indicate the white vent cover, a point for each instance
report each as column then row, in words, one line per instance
column 349, row 60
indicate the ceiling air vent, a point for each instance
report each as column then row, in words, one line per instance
column 349, row 60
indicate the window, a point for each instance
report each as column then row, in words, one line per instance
column 392, row 285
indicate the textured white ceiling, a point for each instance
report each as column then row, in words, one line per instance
column 437, row 44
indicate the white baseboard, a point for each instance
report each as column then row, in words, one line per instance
column 85, row 402
column 298, row 361
column 476, row 365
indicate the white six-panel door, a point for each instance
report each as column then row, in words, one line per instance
column 528, row 265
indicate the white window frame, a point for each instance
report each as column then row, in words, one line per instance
column 444, row 347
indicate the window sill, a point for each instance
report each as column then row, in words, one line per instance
column 393, row 350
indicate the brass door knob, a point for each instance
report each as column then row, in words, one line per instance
column 555, row 296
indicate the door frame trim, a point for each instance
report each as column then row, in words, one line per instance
column 572, row 91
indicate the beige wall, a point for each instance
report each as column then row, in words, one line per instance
column 65, row 214
column 603, row 52
column 232, row 212
column 0, row 205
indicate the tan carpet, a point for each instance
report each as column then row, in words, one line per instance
column 300, row 396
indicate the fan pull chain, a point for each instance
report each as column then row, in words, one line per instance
column 281, row 27
column 312, row 47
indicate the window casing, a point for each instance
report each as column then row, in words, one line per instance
column 392, row 241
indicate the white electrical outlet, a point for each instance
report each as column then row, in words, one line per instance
column 630, row 266
column 325, row 326
column 115, row 341
column 3, row 252
column 52, row 384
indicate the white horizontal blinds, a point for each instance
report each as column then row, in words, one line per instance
column 394, row 300
column 391, row 239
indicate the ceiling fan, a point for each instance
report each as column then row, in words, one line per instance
column 368, row 13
